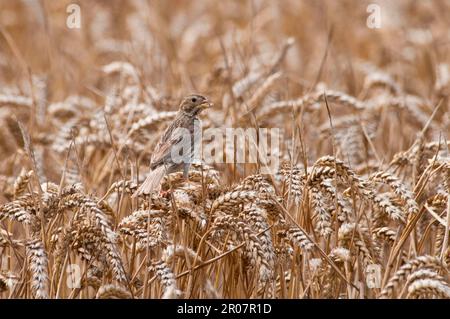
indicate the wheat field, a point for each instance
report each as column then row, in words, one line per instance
column 358, row 208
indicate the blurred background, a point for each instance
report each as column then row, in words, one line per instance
column 176, row 45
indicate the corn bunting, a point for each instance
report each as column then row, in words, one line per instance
column 177, row 146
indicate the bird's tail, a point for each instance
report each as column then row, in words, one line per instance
column 152, row 182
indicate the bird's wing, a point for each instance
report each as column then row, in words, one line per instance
column 163, row 151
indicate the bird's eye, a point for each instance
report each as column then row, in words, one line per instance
column 193, row 100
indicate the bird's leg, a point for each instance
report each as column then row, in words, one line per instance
column 164, row 193
column 186, row 171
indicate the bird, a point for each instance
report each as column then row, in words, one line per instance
column 176, row 147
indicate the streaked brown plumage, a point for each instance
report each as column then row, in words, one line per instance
column 175, row 150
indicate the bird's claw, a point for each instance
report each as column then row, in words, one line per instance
column 164, row 194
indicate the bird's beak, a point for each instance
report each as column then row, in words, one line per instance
column 206, row 105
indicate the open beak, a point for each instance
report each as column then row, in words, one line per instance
column 206, row 105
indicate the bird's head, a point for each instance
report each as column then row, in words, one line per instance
column 193, row 104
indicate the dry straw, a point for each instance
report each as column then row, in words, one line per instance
column 358, row 206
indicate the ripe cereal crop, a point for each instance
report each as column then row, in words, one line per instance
column 357, row 205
